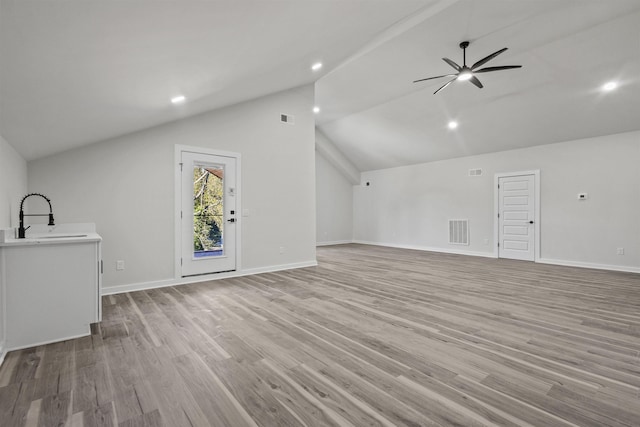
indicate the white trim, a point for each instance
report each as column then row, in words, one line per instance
column 334, row 242
column 582, row 264
column 177, row 209
column 141, row 286
column 177, row 183
column 205, row 150
column 496, row 205
column 3, row 310
column 112, row 290
column 281, row 267
column 579, row 264
column 427, row 248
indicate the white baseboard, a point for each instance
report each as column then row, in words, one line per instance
column 428, row 248
column 580, row 264
column 624, row 268
column 120, row 289
column 334, row 242
column 271, row 268
column 112, row 290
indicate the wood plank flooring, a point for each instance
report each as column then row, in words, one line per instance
column 371, row 337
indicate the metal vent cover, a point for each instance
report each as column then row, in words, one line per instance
column 459, row 231
column 475, row 172
column 287, row 118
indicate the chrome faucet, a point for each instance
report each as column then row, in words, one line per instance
column 21, row 229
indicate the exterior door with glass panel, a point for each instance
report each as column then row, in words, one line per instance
column 208, row 216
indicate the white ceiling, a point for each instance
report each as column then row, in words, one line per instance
column 378, row 118
column 74, row 72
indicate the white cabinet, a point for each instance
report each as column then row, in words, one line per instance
column 51, row 289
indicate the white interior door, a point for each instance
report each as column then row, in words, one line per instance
column 516, row 225
column 208, row 213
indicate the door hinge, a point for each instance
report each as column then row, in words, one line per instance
column 180, row 214
column 498, row 215
column 180, row 261
column 498, row 244
column 180, row 166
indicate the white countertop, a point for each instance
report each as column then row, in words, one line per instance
column 54, row 238
column 45, row 235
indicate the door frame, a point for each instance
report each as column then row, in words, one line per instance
column 177, row 163
column 536, row 201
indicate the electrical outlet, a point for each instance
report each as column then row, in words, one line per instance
column 120, row 264
column 281, row 249
column 486, row 241
column 620, row 251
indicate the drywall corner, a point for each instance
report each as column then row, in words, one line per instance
column 13, row 183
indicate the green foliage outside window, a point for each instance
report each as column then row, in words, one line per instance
column 207, row 208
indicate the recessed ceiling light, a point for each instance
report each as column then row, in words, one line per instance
column 609, row 86
column 452, row 124
column 178, row 99
column 316, row 110
column 316, row 66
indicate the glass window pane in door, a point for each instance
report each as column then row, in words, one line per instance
column 208, row 211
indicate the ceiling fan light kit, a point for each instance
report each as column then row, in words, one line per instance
column 468, row 73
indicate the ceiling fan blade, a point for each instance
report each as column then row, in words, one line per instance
column 502, row 67
column 444, row 85
column 453, row 64
column 436, row 77
column 475, row 81
column 487, row 58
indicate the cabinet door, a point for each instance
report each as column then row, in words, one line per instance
column 51, row 292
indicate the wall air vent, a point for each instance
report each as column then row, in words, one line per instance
column 459, row 231
column 475, row 172
column 287, row 118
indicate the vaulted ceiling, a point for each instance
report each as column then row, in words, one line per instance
column 75, row 72
column 378, row 118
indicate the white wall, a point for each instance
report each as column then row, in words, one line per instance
column 126, row 186
column 13, row 184
column 340, row 162
column 409, row 206
column 334, row 204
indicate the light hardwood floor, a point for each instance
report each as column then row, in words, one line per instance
column 372, row 336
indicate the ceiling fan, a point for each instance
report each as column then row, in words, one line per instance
column 468, row 73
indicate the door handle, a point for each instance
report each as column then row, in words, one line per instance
column 530, row 222
column 231, row 220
